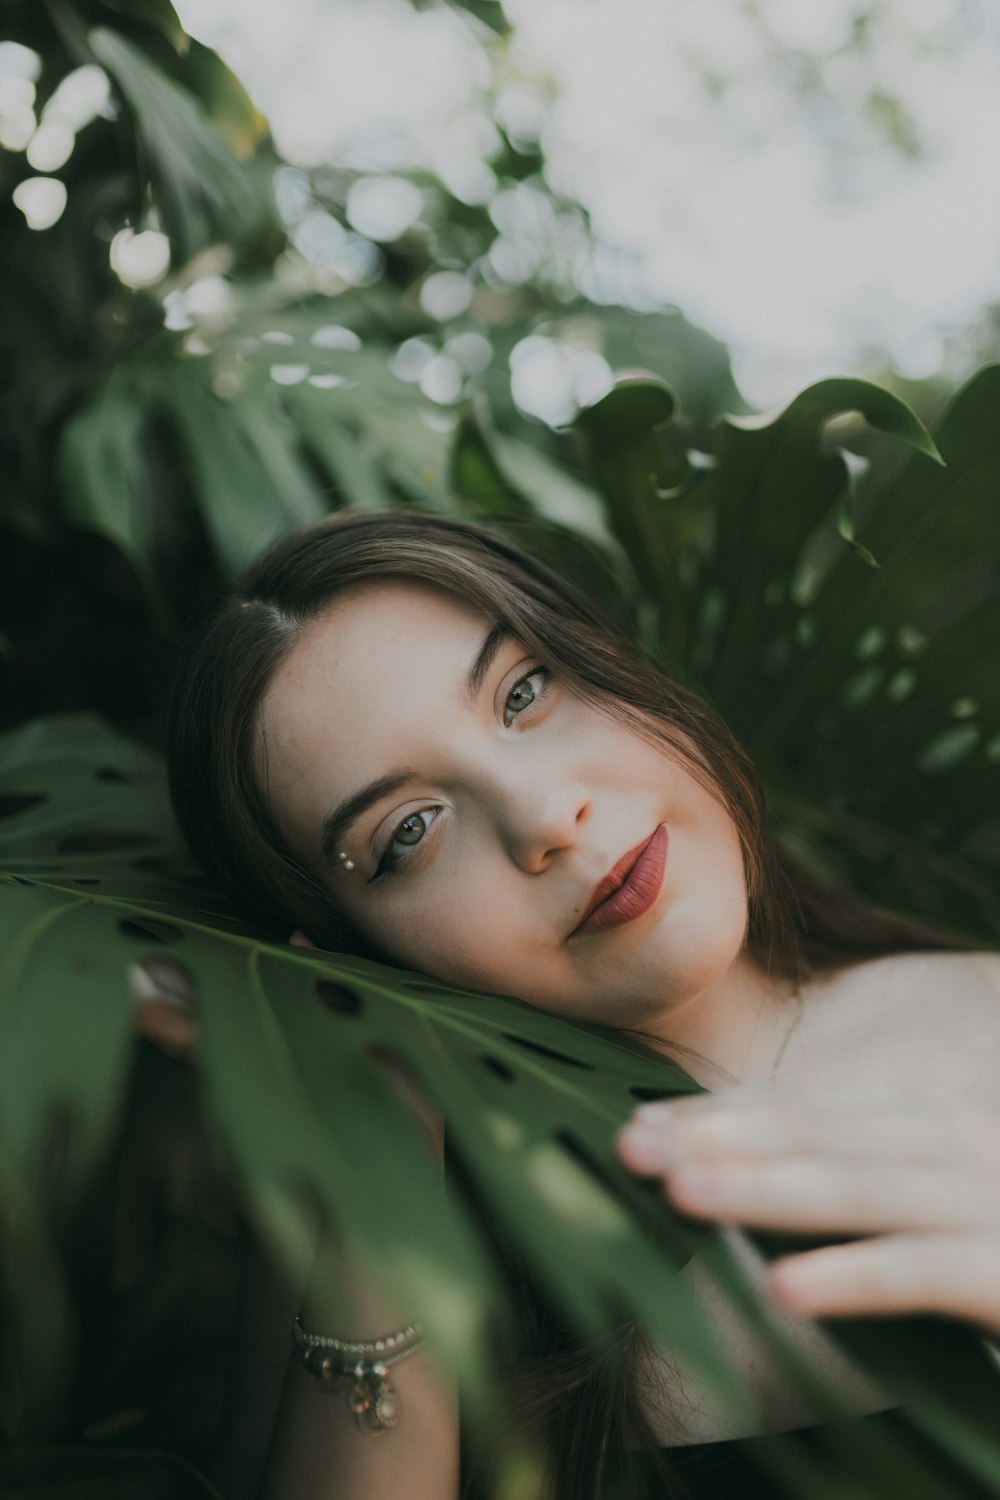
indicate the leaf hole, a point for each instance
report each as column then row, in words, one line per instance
column 862, row 687
column 948, row 748
column 112, row 773
column 12, row 803
column 497, row 1067
column 901, row 685
column 148, row 929
column 549, row 1052
column 337, row 997
column 870, row 642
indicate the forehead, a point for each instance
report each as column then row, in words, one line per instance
column 375, row 628
column 362, row 688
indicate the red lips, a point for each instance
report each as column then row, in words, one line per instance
column 629, row 888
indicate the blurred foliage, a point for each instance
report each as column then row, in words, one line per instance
column 286, row 361
column 327, row 338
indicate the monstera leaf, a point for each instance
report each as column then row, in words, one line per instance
column 848, row 633
column 347, row 431
column 291, row 1051
column 846, row 629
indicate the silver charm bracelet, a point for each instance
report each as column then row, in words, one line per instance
column 372, row 1397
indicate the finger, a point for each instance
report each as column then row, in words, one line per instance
column 958, row 1275
column 164, row 1006
column 809, row 1195
column 171, row 1030
column 659, row 1136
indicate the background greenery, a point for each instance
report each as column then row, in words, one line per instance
column 828, row 580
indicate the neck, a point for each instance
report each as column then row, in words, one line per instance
column 732, row 1031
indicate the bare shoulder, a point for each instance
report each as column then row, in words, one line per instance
column 950, row 984
column 931, row 1018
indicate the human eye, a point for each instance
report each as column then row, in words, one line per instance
column 526, row 691
column 406, row 836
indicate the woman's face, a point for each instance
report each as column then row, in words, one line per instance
column 481, row 803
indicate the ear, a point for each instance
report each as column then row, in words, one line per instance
column 298, row 939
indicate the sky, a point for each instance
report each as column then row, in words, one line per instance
column 820, row 207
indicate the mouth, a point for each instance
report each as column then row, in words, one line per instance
column 629, row 888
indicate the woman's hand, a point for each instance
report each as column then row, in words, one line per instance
column 916, row 1185
column 164, row 1006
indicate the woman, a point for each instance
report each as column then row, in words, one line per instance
column 405, row 738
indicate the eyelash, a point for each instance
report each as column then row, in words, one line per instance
column 538, row 671
column 387, row 864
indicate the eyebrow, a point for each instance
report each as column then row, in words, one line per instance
column 340, row 818
column 485, row 657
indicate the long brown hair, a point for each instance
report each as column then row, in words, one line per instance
column 797, row 925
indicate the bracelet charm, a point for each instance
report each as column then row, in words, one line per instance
column 372, row 1397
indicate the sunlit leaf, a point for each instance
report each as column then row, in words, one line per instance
column 159, row 14
column 229, row 105
column 201, row 191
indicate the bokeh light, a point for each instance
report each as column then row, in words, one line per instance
column 140, row 260
column 812, row 184
column 42, row 200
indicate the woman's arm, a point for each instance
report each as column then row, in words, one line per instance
column 318, row 1451
column 321, row 1452
column 918, row 1185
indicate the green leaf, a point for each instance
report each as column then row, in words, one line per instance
column 773, row 486
column 477, row 477
column 227, row 102
column 157, row 14
column 201, row 192
column 309, row 1126
column 830, row 398
column 870, row 698
column 102, row 460
column 637, row 407
column 251, row 481
column 647, row 483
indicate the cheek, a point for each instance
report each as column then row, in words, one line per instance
column 708, row 892
column 457, row 936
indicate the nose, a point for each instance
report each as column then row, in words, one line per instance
column 543, row 818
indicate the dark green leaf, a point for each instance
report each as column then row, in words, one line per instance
column 201, row 191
